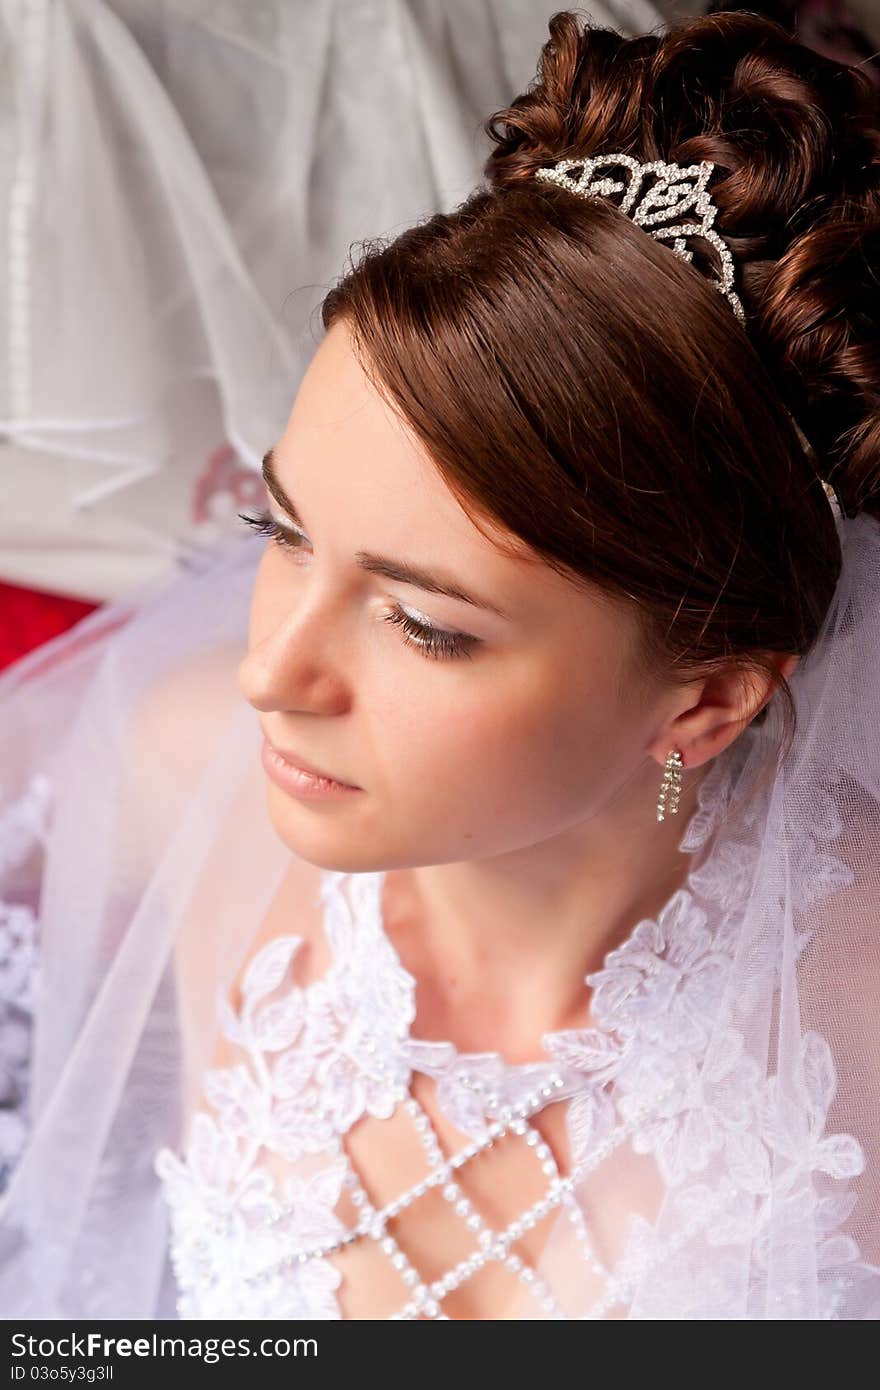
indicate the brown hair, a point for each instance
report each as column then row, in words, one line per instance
column 580, row 386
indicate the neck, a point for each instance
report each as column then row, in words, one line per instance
column 499, row 947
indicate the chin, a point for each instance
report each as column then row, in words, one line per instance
column 321, row 840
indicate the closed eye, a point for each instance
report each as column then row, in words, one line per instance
column 434, row 642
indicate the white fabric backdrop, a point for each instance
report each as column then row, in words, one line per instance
column 179, row 185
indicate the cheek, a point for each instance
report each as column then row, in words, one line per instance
column 500, row 751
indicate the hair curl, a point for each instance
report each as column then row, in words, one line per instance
column 581, row 387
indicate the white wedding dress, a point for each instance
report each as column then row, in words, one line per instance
column 252, row 1243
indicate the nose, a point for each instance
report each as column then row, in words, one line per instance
column 291, row 667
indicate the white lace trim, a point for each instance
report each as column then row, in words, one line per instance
column 23, row 826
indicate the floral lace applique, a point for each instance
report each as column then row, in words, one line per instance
column 768, row 1165
column 661, row 1002
column 23, row 825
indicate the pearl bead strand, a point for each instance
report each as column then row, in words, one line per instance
column 373, row 1223
column 494, row 1244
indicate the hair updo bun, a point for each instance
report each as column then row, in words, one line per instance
column 794, row 137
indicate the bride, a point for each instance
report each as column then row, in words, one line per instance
column 463, row 902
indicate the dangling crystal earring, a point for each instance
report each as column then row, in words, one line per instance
column 671, row 784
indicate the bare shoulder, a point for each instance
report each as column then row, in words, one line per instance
column 183, row 707
column 177, row 729
column 175, row 733
column 174, row 730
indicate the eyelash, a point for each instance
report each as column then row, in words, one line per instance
column 434, row 642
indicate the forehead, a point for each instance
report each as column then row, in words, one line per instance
column 344, row 441
column 351, row 462
column 338, row 407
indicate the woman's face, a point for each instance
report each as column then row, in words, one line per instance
column 522, row 725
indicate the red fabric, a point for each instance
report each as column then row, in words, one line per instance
column 29, row 617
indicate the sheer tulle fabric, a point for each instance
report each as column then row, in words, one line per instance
column 735, row 1039
column 212, row 166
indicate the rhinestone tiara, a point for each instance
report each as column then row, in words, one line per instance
column 676, row 190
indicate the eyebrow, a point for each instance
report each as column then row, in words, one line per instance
column 404, row 573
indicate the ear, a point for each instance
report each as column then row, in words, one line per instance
column 716, row 712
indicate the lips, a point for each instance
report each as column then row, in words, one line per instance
column 304, row 765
